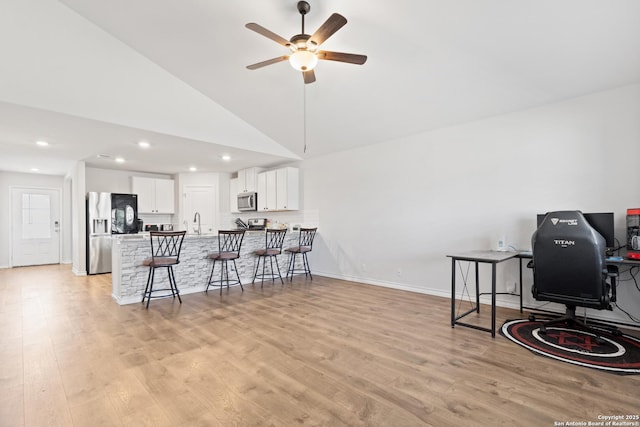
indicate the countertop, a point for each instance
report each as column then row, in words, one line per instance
column 145, row 235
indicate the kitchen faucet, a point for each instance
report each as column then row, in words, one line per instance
column 196, row 219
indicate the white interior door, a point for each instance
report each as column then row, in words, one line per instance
column 201, row 199
column 35, row 225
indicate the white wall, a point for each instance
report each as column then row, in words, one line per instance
column 78, row 219
column 114, row 181
column 14, row 179
column 391, row 212
column 67, row 224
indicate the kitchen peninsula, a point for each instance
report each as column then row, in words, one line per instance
column 129, row 276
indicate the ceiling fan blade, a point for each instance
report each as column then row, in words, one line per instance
column 267, row 62
column 351, row 58
column 268, row 34
column 309, row 76
column 326, row 30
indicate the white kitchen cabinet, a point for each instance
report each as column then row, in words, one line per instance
column 279, row 190
column 154, row 195
column 267, row 191
column 287, row 189
column 233, row 195
column 248, row 180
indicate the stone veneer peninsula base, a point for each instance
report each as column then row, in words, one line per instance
column 129, row 276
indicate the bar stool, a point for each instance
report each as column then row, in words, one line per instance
column 229, row 243
column 165, row 253
column 305, row 243
column 272, row 248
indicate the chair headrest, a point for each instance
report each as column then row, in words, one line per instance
column 566, row 228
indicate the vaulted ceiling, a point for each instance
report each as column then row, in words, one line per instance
column 94, row 77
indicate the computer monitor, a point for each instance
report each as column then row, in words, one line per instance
column 602, row 222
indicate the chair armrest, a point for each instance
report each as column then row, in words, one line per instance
column 613, row 272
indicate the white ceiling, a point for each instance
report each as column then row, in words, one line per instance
column 94, row 77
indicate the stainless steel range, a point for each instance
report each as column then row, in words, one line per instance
column 257, row 223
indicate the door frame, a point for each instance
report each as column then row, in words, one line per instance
column 12, row 218
column 214, row 190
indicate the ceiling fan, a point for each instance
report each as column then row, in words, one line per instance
column 304, row 47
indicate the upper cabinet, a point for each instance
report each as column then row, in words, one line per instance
column 154, row 195
column 279, row 190
column 267, row 191
column 248, row 180
column 287, row 189
column 233, row 195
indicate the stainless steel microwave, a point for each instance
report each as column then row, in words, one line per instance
column 248, row 201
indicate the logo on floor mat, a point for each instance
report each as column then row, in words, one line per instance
column 605, row 351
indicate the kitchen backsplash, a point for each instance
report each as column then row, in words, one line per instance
column 157, row 219
column 306, row 218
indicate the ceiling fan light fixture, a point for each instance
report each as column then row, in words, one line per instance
column 303, row 60
column 304, row 47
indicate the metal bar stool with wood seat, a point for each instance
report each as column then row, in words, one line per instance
column 165, row 253
column 229, row 243
column 305, row 244
column 272, row 248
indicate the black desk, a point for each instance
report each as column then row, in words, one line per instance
column 494, row 258
column 476, row 257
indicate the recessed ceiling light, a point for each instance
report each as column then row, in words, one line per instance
column 143, row 144
column 103, row 156
column 42, row 143
column 193, row 168
column 226, row 157
column 119, row 160
column 35, row 170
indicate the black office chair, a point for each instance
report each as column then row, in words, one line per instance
column 569, row 267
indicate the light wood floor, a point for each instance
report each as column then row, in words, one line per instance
column 325, row 352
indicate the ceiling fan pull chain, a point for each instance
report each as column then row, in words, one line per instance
column 304, row 118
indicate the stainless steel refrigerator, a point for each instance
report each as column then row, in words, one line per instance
column 108, row 214
column 98, row 233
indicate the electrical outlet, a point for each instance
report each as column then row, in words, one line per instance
column 511, row 287
column 363, row 267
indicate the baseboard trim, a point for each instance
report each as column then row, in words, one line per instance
column 386, row 284
column 78, row 272
column 505, row 301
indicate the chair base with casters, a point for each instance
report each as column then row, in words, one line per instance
column 273, row 247
column 305, row 244
column 165, row 253
column 569, row 319
column 229, row 244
